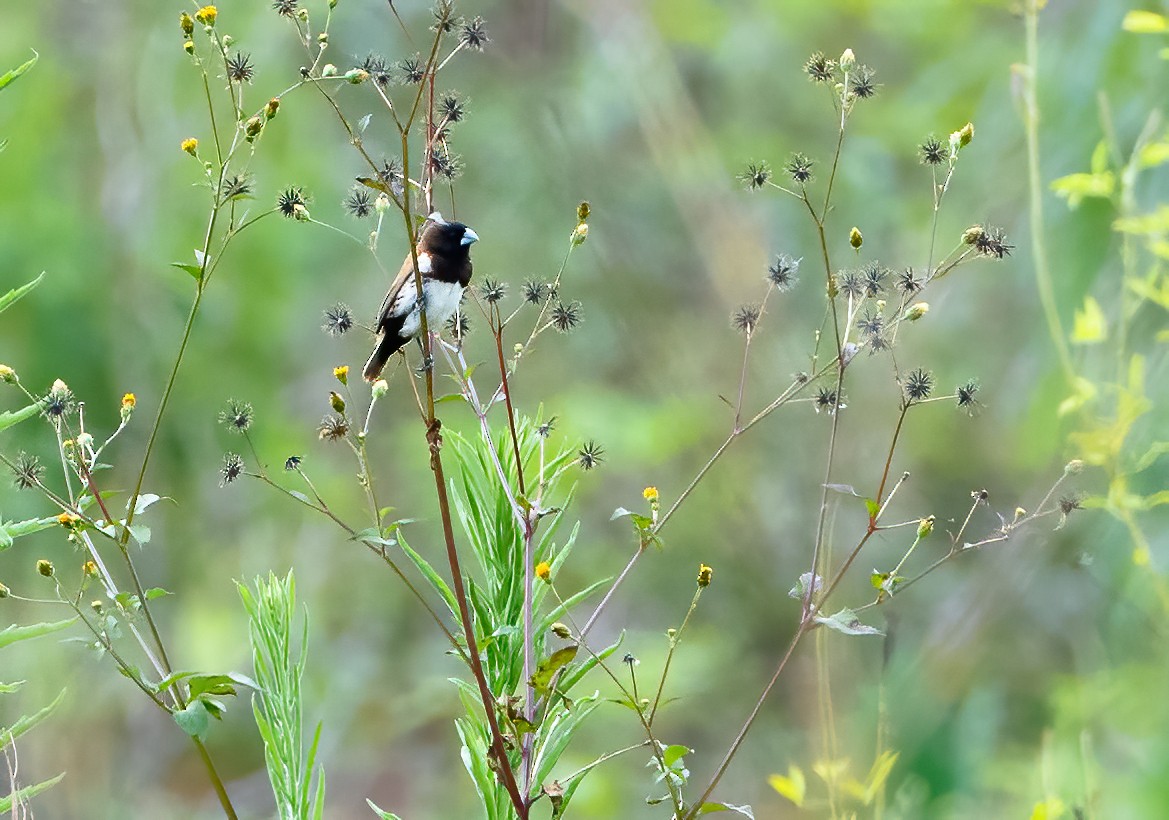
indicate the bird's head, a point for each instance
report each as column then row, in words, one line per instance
column 449, row 239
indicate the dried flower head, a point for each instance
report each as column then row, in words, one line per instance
column 27, row 471
column 799, row 168
column 458, row 325
column 233, row 468
column 850, row 283
column 445, row 164
column 60, row 401
column 907, row 282
column 874, row 279
column 45, row 568
column 492, row 291
column 819, row 68
column 545, row 429
column 590, row 455
column 291, row 202
column 757, row 175
column 236, row 416
column 338, row 319
column 933, row 152
column 410, row 71
column 966, row 399
column 236, row 186
column 285, row 8
column 333, row 427
column 240, row 68
column 474, row 34
column 565, row 317
column 918, row 385
column 861, row 82
column 292, row 463
column 378, row 69
column 990, row 242
column 745, row 318
column 451, row 107
column 445, row 19
column 871, row 323
column 826, row 399
column 782, row 273
column 359, row 203
column 533, row 291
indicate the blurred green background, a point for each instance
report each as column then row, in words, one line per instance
column 1029, row 671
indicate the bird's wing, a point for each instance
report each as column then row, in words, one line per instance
column 401, row 296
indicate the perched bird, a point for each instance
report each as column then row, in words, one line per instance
column 444, row 260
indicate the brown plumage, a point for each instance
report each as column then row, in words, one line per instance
column 444, row 260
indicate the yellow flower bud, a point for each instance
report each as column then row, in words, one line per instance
column 582, row 211
column 966, row 134
column 7, row 374
column 650, row 493
column 191, row 146
column 856, row 238
column 186, row 24
column 207, row 15
column 336, row 402
column 705, row 574
column 341, row 373
column 925, row 526
column 579, row 234
column 271, row 108
column 45, row 568
column 917, row 310
column 847, row 59
column 544, row 572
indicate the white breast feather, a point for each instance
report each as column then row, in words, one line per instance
column 442, row 300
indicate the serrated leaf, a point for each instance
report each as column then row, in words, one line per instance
column 9, row 298
column 10, row 76
column 846, row 622
column 794, row 786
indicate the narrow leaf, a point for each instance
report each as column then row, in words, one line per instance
column 9, row 298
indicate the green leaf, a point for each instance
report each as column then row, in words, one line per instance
column 873, row 507
column 144, row 502
column 675, row 753
column 9, row 76
column 542, row 677
column 195, row 270
column 1078, row 187
column 710, row 808
column 26, row 793
column 23, row 633
column 1145, row 22
column 794, row 786
column 26, row 722
column 620, row 512
column 17, row 416
column 7, row 300
column 1089, row 325
column 14, row 529
column 847, row 622
column 195, row 720
column 213, row 685
column 9, row 688
column 157, row 592
column 382, row 813
column 844, row 489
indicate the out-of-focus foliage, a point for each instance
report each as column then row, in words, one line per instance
column 1015, row 682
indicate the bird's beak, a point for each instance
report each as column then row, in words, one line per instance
column 469, row 237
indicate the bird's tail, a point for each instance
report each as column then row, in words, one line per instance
column 387, row 346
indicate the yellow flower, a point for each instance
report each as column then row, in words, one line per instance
column 8, row 374
column 67, row 519
column 207, row 15
column 90, row 569
column 129, row 400
column 186, row 24
column 705, row 573
column 544, row 571
column 191, row 146
column 650, row 494
column 341, row 373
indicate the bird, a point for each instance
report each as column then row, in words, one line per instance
column 444, row 260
